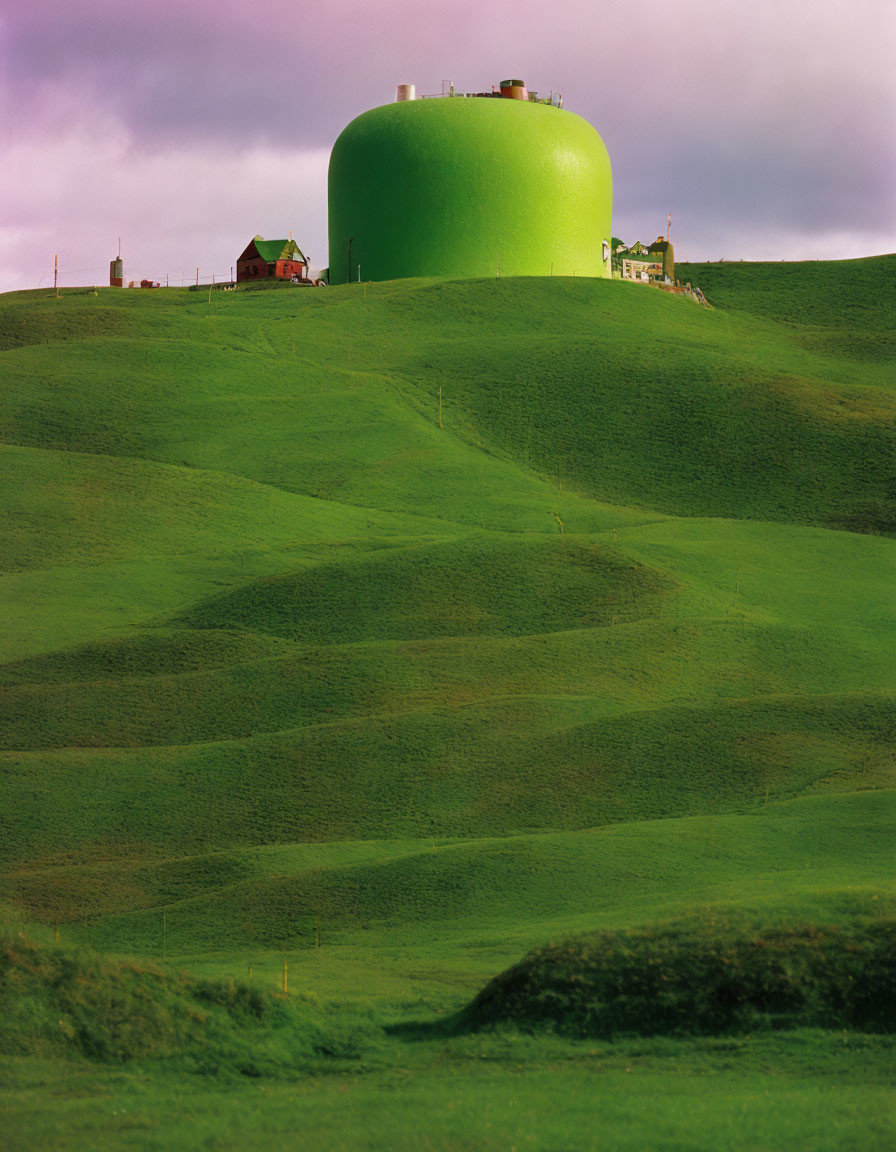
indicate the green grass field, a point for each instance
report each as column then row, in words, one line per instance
column 389, row 633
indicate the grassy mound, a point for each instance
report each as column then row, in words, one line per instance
column 55, row 1003
column 699, row 977
column 479, row 588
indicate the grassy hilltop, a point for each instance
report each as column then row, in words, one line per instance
column 395, row 630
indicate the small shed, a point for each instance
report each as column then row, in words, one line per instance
column 272, row 260
column 663, row 253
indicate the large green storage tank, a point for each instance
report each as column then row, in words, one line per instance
column 468, row 186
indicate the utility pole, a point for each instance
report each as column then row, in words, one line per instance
column 56, row 275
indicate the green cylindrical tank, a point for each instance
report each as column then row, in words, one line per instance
column 468, row 186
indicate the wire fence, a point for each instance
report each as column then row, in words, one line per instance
column 98, row 277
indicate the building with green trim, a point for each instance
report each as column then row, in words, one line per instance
column 663, row 253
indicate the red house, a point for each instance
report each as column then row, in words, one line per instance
column 272, row 260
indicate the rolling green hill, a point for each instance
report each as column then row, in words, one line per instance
column 397, row 629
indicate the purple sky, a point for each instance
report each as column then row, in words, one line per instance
column 765, row 127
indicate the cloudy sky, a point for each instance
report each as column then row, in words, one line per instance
column 766, row 127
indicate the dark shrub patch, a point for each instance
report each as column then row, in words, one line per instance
column 695, row 978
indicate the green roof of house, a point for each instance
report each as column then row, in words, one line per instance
column 272, row 250
column 275, row 249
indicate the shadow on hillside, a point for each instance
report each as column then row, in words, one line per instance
column 458, row 1024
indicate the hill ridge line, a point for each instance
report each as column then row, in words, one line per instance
column 271, row 735
column 167, row 465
